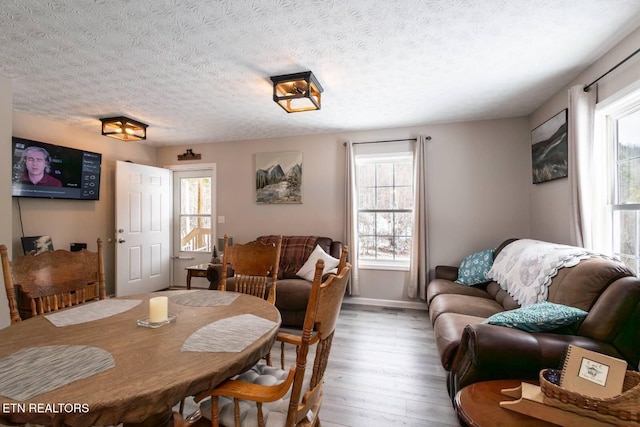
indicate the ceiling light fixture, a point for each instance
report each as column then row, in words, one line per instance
column 124, row 128
column 297, row 92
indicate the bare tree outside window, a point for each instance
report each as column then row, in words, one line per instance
column 626, row 210
column 195, row 214
column 385, row 208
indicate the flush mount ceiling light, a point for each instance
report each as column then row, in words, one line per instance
column 124, row 128
column 297, row 92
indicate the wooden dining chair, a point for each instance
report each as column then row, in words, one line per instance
column 255, row 272
column 293, row 339
column 255, row 268
column 187, row 421
column 52, row 280
column 296, row 396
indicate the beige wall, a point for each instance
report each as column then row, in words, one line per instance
column 322, row 189
column 550, row 207
column 478, row 173
column 68, row 221
column 6, row 111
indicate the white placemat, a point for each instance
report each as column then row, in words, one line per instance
column 204, row 298
column 38, row 370
column 231, row 335
column 92, row 311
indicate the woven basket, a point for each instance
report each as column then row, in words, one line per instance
column 623, row 410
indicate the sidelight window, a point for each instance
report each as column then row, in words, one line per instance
column 195, row 214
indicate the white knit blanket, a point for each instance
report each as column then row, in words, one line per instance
column 526, row 267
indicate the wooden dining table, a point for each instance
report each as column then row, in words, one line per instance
column 94, row 365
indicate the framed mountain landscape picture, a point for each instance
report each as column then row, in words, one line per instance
column 279, row 177
column 549, row 149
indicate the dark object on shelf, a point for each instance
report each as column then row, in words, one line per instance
column 77, row 247
column 189, row 155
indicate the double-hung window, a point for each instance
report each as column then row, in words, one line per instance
column 384, row 185
column 626, row 209
column 622, row 124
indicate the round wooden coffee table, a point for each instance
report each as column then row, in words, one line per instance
column 478, row 405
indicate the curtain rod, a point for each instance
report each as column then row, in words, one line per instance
column 587, row 87
column 428, row 138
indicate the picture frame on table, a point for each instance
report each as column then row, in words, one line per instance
column 34, row 245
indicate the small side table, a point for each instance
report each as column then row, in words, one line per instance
column 199, row 270
column 478, row 405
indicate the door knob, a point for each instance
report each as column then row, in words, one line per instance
column 121, row 240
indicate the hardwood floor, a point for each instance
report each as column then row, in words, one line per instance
column 384, row 370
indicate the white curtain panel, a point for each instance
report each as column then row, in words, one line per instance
column 351, row 238
column 581, row 166
column 418, row 271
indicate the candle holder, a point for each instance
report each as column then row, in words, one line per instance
column 146, row 323
column 158, row 313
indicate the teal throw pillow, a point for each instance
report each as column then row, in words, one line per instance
column 540, row 317
column 474, row 268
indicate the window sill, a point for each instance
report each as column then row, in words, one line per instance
column 368, row 265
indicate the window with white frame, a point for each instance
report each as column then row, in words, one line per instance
column 384, row 184
column 195, row 212
column 626, row 209
column 623, row 134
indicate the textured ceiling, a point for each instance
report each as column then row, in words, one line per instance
column 198, row 71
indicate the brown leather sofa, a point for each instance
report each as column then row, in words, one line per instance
column 292, row 292
column 472, row 351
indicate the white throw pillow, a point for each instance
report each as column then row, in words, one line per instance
column 309, row 268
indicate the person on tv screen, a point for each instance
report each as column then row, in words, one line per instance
column 36, row 165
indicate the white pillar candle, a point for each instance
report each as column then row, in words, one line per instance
column 158, row 309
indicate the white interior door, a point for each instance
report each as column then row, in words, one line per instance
column 194, row 228
column 143, row 228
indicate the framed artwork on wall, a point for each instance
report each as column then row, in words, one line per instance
column 279, row 177
column 549, row 149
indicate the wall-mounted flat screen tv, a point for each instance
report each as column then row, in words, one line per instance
column 54, row 172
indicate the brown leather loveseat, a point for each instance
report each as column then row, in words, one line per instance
column 472, row 351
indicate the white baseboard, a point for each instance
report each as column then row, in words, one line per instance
column 414, row 305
